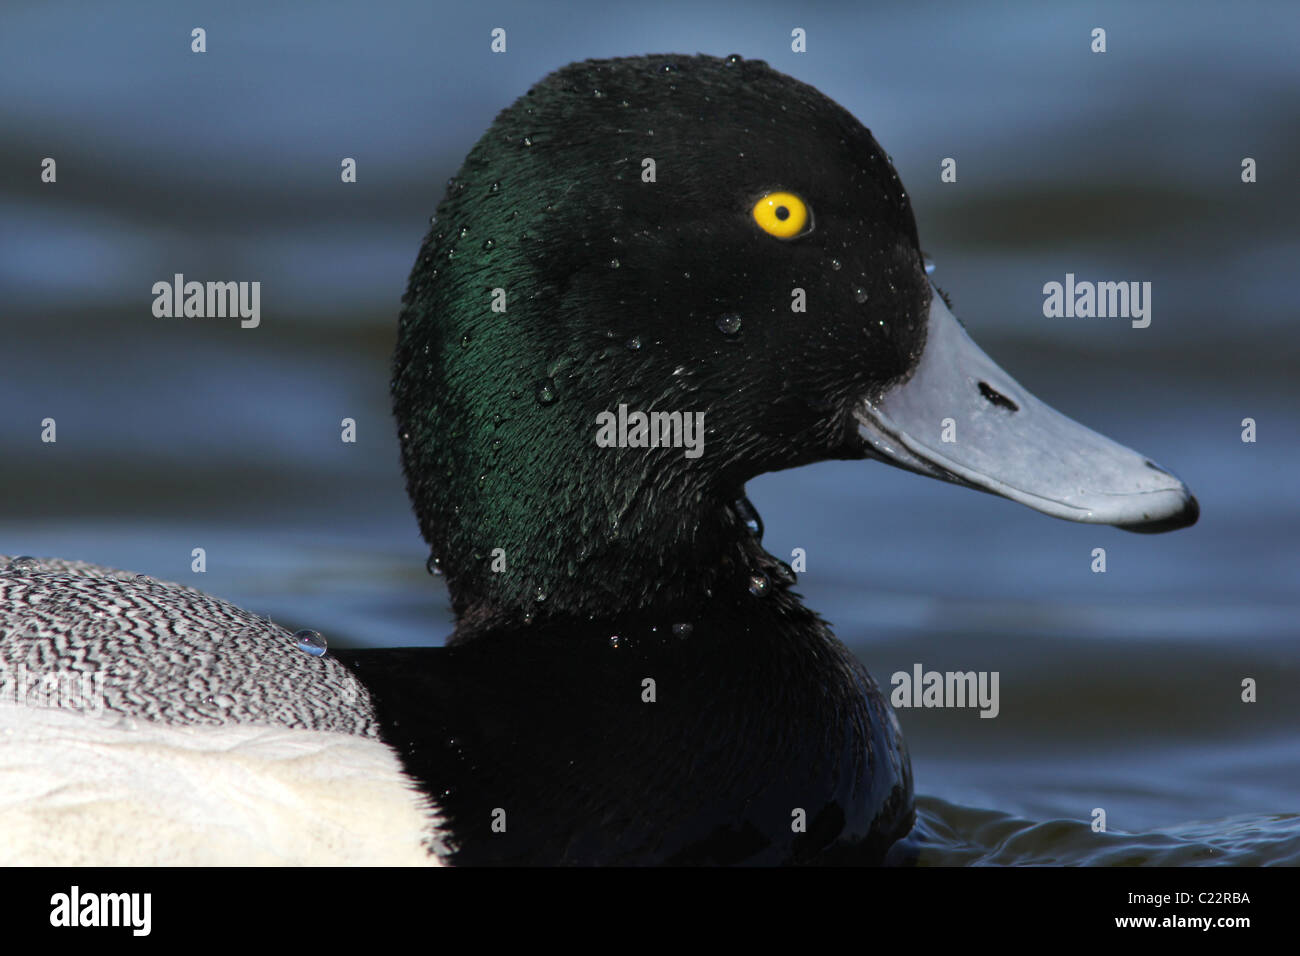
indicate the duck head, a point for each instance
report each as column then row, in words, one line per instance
column 708, row 239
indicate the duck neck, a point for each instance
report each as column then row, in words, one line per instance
column 658, row 577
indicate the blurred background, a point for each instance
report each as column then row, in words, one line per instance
column 1119, row 690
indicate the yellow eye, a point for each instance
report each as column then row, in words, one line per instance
column 781, row 214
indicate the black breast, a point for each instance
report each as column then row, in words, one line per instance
column 753, row 738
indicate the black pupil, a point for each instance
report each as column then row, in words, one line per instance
column 782, row 213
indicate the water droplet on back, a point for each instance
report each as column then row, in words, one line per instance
column 683, row 630
column 22, row 563
column 546, row 392
column 434, row 565
column 859, row 295
column 311, row 642
column 758, row 585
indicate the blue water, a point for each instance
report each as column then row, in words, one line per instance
column 1118, row 690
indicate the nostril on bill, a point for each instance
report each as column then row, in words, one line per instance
column 997, row 398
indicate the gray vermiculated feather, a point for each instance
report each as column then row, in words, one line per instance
column 162, row 652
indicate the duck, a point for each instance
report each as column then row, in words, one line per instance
column 653, row 279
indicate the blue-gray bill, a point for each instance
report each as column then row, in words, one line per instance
column 961, row 418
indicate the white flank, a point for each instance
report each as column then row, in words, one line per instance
column 112, row 791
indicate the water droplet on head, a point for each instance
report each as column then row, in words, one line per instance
column 733, row 59
column 464, row 341
column 749, row 514
column 634, row 343
column 614, row 263
column 683, row 630
column 859, row 295
column 144, row 579
column 311, row 642
column 546, row 392
column 489, row 245
column 539, row 594
column 758, row 585
column 526, row 141
column 929, row 264
column 494, row 188
column 434, row 565
column 23, row 563
column 614, row 640
column 836, row 265
column 729, row 323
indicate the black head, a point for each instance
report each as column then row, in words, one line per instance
column 617, row 240
column 658, row 291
